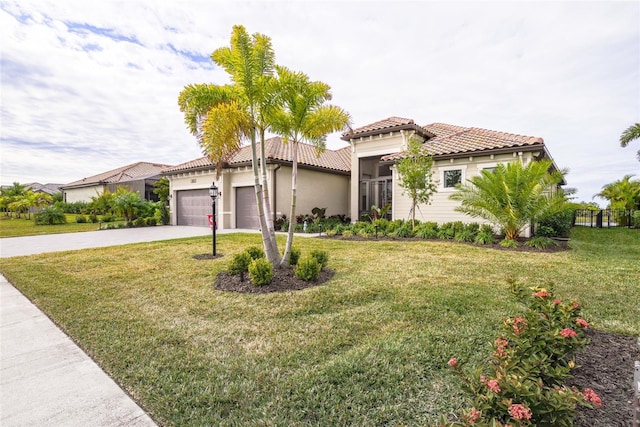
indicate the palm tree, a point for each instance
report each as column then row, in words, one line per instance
column 300, row 114
column 512, row 196
column 623, row 194
column 221, row 117
column 630, row 134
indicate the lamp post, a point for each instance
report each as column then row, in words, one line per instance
column 213, row 193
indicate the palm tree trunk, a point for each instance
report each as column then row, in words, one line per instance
column 292, row 214
column 268, row 212
column 266, row 239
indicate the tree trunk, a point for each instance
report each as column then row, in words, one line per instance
column 292, row 214
column 268, row 212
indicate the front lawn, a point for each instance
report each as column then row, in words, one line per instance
column 16, row 227
column 368, row 348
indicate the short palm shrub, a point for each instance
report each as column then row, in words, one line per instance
column 485, row 235
column 240, row 264
column 308, row 269
column 50, row 215
column 523, row 382
column 405, row 230
column 447, row 231
column 294, row 257
column 260, row 272
column 541, row 242
column 468, row 232
column 255, row 252
column 427, row 230
column 321, row 256
column 81, row 219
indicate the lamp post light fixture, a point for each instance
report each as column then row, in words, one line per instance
column 213, row 193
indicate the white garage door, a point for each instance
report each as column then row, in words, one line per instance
column 246, row 208
column 193, row 206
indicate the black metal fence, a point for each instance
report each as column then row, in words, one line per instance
column 603, row 218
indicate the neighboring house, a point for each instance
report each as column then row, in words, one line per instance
column 323, row 181
column 49, row 188
column 350, row 180
column 138, row 177
column 458, row 152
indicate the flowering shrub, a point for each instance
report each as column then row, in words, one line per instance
column 523, row 383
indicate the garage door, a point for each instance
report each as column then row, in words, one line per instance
column 193, row 206
column 246, row 209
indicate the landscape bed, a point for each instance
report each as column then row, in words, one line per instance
column 368, row 347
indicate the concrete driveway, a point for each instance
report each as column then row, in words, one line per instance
column 45, row 378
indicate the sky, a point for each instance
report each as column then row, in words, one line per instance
column 87, row 87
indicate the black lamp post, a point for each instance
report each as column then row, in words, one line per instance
column 213, row 193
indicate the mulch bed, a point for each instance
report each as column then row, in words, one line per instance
column 606, row 364
column 283, row 280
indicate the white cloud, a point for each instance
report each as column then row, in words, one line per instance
column 90, row 86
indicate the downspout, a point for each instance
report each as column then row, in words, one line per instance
column 275, row 192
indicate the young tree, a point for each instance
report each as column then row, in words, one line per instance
column 512, row 196
column 161, row 189
column 630, row 134
column 300, row 114
column 623, row 194
column 416, row 176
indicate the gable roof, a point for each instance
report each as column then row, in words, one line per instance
column 132, row 172
column 278, row 151
column 390, row 124
column 49, row 188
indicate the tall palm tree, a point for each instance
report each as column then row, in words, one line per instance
column 622, row 194
column 222, row 117
column 512, row 196
column 630, row 134
column 300, row 114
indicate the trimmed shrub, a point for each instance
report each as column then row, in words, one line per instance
column 93, row 218
column 260, row 272
column 468, row 232
column 540, row 242
column 427, row 230
column 294, row 257
column 308, row 269
column 347, row 233
column 108, row 217
column 509, row 243
column 560, row 222
column 447, row 231
column 240, row 264
column 49, row 216
column 255, row 252
column 151, row 221
column 321, row 256
column 405, row 230
column 636, row 219
column 139, row 222
column 485, row 235
column 81, row 219
column 545, row 231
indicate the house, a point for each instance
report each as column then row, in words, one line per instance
column 48, row 188
column 138, row 177
column 350, row 180
column 459, row 153
column 323, row 181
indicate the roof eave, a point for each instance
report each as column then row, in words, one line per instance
column 419, row 130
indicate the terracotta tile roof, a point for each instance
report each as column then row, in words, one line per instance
column 387, row 125
column 451, row 140
column 276, row 149
column 132, row 172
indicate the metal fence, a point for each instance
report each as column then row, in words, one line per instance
column 603, row 218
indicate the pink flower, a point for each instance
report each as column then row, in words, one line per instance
column 493, row 386
column 472, row 416
column 541, row 294
column 518, row 325
column 568, row 332
column 483, row 379
column 501, row 344
column 519, row 412
column 557, row 301
column 575, row 305
column 591, row 396
column 582, row 322
column 453, row 362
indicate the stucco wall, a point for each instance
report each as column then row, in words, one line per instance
column 83, row 194
column 442, row 209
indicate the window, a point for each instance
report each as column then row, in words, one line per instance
column 452, row 177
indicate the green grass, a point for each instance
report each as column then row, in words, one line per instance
column 369, row 348
column 16, row 227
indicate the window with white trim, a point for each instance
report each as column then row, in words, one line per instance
column 450, row 176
